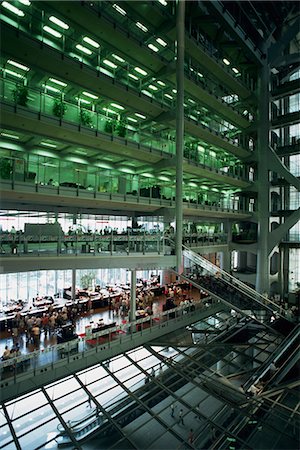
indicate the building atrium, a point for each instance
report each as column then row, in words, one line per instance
column 150, row 225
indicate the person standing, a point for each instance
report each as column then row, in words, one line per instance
column 172, row 409
column 191, row 436
column 180, row 416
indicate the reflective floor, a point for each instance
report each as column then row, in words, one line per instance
column 125, row 403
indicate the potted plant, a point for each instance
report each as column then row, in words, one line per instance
column 121, row 129
column 5, row 168
column 59, row 108
column 109, row 126
column 20, row 95
column 85, row 118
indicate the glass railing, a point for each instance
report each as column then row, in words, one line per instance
column 112, row 336
column 45, row 104
column 120, row 73
column 94, row 244
column 151, row 197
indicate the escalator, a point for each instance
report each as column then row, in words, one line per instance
column 232, row 292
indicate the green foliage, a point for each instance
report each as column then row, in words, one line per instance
column 121, row 129
column 85, row 118
column 20, row 95
column 109, row 126
column 59, row 108
column 88, row 280
column 5, row 168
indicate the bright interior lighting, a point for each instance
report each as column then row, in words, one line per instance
column 174, row 91
column 141, row 71
column 88, row 94
column 82, row 100
column 16, row 64
column 119, row 9
column 168, row 96
column 161, row 83
column 83, row 49
column 235, row 70
column 118, row 58
column 51, row 31
column 152, row 47
column 11, row 136
column 154, row 88
column 146, row 93
column 91, row 42
column 131, row 119
column 59, row 22
column 141, row 116
column 110, row 64
column 161, row 42
column 141, row 27
column 200, row 75
column 50, row 88
column 225, row 61
column 191, row 101
column 25, row 2
column 60, row 83
column 115, row 105
column 163, row 2
column 133, row 76
column 47, row 144
column 13, row 73
column 13, row 9
column 110, row 111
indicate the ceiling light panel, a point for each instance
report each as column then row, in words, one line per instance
column 59, row 22
column 91, row 42
column 18, row 65
column 52, row 31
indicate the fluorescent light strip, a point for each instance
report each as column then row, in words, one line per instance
column 225, row 61
column 141, row 116
column 11, row 136
column 133, row 77
column 13, row 9
column 154, row 88
column 131, row 119
column 110, row 111
column 168, row 96
column 47, row 144
column 141, row 27
column 141, row 71
column 88, row 94
column 161, row 83
column 16, row 64
column 119, row 9
column 59, row 22
column 51, row 88
column 163, row 2
column 83, row 49
column 91, row 42
column 60, row 83
column 12, row 72
column 118, row 58
column 110, row 63
column 235, row 70
column 25, row 2
column 161, row 42
column 52, row 31
column 115, row 105
column 81, row 100
column 152, row 47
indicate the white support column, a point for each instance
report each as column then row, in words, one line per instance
column 179, row 130
column 73, row 288
column 263, row 271
column 132, row 296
